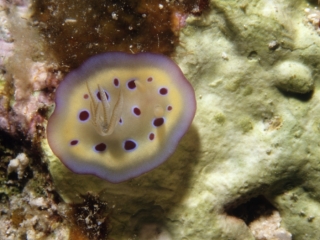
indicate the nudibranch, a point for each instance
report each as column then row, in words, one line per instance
column 120, row 115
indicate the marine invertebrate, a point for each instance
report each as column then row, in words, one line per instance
column 120, row 115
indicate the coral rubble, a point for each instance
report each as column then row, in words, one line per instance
column 18, row 165
column 27, row 76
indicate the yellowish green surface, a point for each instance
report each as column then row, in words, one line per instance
column 256, row 132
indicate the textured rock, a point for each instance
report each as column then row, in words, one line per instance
column 250, row 147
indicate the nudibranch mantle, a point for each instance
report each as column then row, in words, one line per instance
column 148, row 103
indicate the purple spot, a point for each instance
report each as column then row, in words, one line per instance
column 74, row 142
column 116, row 82
column 158, row 122
column 85, row 96
column 163, row 91
column 100, row 147
column 84, row 115
column 99, row 97
column 131, row 84
column 169, row 108
column 129, row 145
column 136, row 111
column 120, row 121
column 151, row 136
column 150, row 79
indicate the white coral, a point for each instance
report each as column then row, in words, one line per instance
column 18, row 165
